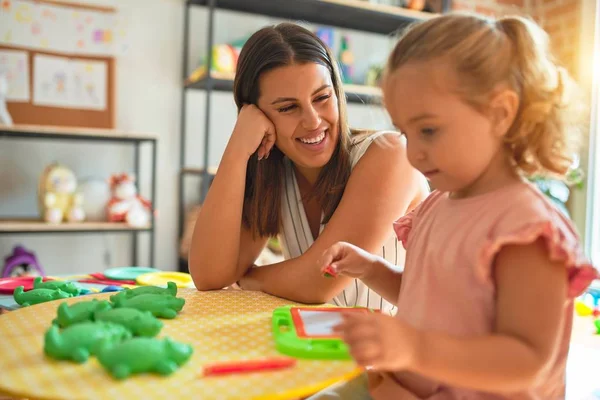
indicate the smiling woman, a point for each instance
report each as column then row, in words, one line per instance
column 294, row 169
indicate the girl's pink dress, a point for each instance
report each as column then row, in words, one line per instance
column 448, row 281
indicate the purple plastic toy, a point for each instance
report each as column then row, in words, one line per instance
column 21, row 263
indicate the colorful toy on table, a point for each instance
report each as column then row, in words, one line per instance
column 307, row 332
column 37, row 296
column 8, row 285
column 79, row 341
column 139, row 355
column 139, row 323
column 329, row 272
column 244, row 366
column 82, row 311
column 112, row 288
column 162, row 278
column 159, row 305
column 125, row 274
column 65, row 286
column 170, row 290
column 99, row 281
column 21, row 262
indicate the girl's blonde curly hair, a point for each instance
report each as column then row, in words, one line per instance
column 544, row 137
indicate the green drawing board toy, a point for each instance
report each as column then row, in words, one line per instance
column 307, row 332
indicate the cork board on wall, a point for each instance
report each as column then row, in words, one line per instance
column 63, row 54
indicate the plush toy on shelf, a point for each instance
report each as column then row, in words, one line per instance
column 58, row 197
column 126, row 205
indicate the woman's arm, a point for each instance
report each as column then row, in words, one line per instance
column 222, row 249
column 380, row 190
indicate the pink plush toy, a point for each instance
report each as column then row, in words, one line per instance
column 126, row 205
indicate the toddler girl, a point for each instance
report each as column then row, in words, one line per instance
column 492, row 267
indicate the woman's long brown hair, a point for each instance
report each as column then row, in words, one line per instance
column 269, row 48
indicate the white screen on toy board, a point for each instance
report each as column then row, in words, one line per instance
column 316, row 322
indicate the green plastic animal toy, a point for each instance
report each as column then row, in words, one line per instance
column 159, row 305
column 65, row 286
column 81, row 340
column 79, row 312
column 140, row 323
column 37, row 296
column 139, row 355
column 170, row 290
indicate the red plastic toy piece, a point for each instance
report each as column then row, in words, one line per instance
column 329, row 272
column 249, row 366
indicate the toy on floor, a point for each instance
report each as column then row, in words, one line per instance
column 170, row 290
column 158, row 304
column 37, row 296
column 58, row 199
column 21, row 262
column 82, row 311
column 139, row 355
column 65, row 286
column 79, row 341
column 126, row 205
column 140, row 323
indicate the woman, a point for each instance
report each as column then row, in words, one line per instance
column 293, row 168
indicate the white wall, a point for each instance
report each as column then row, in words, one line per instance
column 148, row 99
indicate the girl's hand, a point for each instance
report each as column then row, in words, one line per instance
column 347, row 259
column 253, row 131
column 379, row 341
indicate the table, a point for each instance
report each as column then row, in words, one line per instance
column 221, row 325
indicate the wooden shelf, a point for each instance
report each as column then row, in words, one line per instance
column 62, row 132
column 33, row 226
column 198, row 171
column 350, row 14
column 354, row 93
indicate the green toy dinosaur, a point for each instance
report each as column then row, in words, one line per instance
column 65, row 286
column 37, row 296
column 137, row 355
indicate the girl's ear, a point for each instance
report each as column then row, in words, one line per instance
column 503, row 110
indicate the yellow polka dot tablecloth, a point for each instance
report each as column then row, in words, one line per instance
column 224, row 325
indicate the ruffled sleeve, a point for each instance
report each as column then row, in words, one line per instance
column 556, row 231
column 403, row 226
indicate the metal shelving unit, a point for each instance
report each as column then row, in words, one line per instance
column 348, row 14
column 12, row 226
